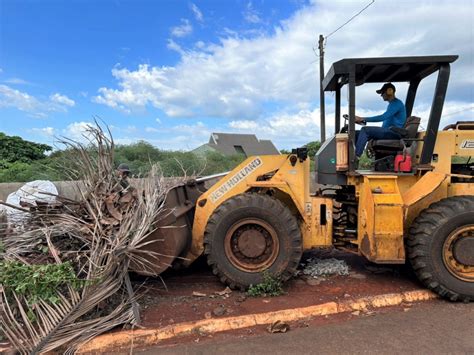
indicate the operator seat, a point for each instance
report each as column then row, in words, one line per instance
column 386, row 149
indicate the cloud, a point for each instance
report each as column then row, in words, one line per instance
column 151, row 129
column 22, row 101
column 453, row 111
column 293, row 129
column 200, row 44
column 264, row 76
column 16, row 81
column 183, row 30
column 77, row 131
column 251, row 15
column 197, row 13
column 179, row 137
column 130, row 129
column 244, row 124
column 45, row 131
column 174, row 46
column 62, row 100
column 285, row 129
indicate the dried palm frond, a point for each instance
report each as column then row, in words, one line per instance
column 100, row 235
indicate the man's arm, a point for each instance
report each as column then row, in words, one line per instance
column 391, row 110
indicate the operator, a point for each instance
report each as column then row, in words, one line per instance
column 394, row 116
column 122, row 173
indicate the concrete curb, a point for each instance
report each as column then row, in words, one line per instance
column 144, row 337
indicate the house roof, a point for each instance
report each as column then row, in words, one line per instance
column 248, row 144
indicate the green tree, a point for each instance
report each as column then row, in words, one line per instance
column 15, row 149
column 218, row 163
column 139, row 157
column 313, row 148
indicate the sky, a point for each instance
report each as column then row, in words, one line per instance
column 170, row 72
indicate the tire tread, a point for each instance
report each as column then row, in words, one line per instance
column 264, row 202
column 419, row 242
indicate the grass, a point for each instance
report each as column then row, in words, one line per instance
column 270, row 286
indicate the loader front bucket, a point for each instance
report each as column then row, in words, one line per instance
column 172, row 237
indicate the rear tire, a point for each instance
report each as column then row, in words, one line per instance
column 440, row 244
column 250, row 234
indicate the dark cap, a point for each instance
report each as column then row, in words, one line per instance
column 123, row 168
column 385, row 87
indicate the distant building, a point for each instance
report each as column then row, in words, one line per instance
column 232, row 144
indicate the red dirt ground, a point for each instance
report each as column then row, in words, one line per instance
column 172, row 301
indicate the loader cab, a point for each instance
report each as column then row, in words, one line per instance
column 336, row 159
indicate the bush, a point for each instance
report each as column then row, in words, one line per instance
column 37, row 282
column 270, row 286
column 139, row 157
column 24, row 172
column 365, row 162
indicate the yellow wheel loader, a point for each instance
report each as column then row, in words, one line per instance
column 416, row 203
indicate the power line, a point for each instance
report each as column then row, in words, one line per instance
column 453, row 113
column 345, row 23
column 321, row 45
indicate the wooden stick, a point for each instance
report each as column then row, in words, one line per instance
column 13, row 206
column 135, row 309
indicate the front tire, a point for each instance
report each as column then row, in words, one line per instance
column 441, row 248
column 250, row 234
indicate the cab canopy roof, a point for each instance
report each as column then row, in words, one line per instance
column 381, row 70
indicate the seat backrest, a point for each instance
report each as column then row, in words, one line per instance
column 411, row 125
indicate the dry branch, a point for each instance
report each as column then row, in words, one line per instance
column 99, row 235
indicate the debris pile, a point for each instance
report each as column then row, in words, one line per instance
column 315, row 267
column 31, row 194
column 83, row 248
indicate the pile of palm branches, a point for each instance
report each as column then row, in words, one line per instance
column 74, row 255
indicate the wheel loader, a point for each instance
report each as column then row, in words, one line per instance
column 415, row 204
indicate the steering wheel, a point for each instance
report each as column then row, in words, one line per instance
column 345, row 128
column 346, row 117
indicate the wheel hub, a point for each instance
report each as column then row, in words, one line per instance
column 458, row 253
column 251, row 245
column 463, row 251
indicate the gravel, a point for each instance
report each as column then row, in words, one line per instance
column 314, row 267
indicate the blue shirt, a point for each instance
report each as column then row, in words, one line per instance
column 395, row 115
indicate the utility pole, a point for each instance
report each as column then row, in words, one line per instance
column 321, row 91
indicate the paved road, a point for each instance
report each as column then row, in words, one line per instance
column 427, row 328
